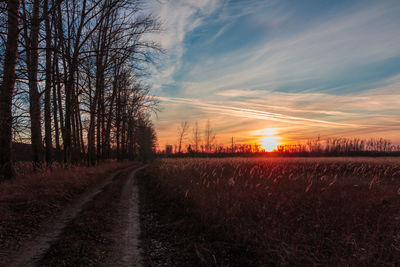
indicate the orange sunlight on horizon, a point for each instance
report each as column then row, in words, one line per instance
column 269, row 140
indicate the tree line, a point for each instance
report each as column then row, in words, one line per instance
column 342, row 146
column 71, row 80
column 193, row 141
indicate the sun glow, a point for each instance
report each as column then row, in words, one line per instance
column 269, row 141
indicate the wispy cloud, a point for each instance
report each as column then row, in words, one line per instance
column 318, row 54
column 178, row 17
column 333, row 72
column 257, row 114
column 298, row 121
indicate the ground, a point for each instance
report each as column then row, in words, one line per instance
column 98, row 227
column 206, row 212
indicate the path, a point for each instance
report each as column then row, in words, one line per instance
column 127, row 230
column 125, row 251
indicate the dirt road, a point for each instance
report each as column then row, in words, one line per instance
column 99, row 228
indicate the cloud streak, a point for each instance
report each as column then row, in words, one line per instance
column 257, row 114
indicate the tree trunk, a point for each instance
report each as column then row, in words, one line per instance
column 69, row 85
column 92, row 125
column 80, row 130
column 47, row 93
column 34, row 96
column 7, row 90
column 123, row 144
column 68, row 111
column 56, row 85
column 98, row 134
column 60, row 106
column 107, row 141
column 55, row 109
column 118, row 124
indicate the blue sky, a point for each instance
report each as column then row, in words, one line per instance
column 301, row 68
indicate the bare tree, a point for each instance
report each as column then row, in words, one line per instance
column 7, row 90
column 196, row 136
column 182, row 132
column 90, row 55
column 31, row 28
column 47, row 93
column 79, row 29
column 209, row 136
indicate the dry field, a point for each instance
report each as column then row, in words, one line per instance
column 297, row 211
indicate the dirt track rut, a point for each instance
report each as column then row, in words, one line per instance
column 126, row 233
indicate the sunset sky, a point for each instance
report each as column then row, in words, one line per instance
column 290, row 70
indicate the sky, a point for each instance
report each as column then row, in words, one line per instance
column 286, row 70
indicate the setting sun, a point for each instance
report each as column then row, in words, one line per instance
column 270, row 143
column 268, row 139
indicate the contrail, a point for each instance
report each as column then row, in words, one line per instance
column 255, row 114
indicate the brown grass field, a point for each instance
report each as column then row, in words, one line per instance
column 297, row 211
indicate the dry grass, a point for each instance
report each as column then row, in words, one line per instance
column 336, row 211
column 23, row 168
column 27, row 201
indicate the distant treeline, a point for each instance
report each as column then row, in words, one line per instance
column 315, row 147
column 343, row 146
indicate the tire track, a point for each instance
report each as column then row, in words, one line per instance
column 127, row 251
